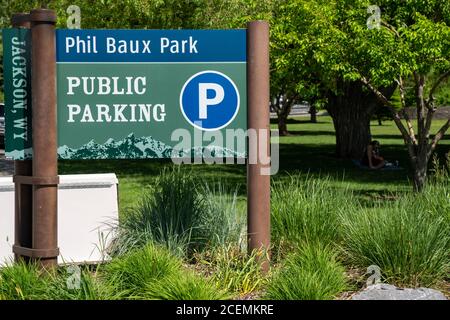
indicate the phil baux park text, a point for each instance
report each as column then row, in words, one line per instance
column 135, row 93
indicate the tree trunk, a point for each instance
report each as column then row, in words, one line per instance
column 282, row 124
column 351, row 118
column 351, row 111
column 420, row 167
column 352, row 127
column 313, row 112
column 283, row 111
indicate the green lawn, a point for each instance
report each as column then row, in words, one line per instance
column 308, row 150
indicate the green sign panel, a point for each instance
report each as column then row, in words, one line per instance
column 125, row 94
column 17, row 88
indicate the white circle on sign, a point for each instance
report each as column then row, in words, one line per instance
column 190, row 106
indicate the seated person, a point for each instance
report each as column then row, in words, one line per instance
column 371, row 157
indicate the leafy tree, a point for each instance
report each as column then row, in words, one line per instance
column 312, row 28
column 359, row 66
column 413, row 42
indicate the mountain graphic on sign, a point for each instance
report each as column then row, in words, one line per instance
column 132, row 147
column 24, row 154
column 128, row 148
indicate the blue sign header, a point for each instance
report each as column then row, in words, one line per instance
column 151, row 45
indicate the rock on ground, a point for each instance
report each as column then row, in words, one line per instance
column 390, row 292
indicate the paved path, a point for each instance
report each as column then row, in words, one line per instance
column 6, row 166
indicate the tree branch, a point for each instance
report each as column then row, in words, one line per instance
column 402, row 92
column 398, row 121
column 420, row 104
column 428, row 120
column 391, row 28
column 405, row 114
column 429, row 102
column 439, row 135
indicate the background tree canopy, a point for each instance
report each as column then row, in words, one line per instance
column 339, row 54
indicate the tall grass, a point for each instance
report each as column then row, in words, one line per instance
column 409, row 239
column 232, row 269
column 185, row 286
column 311, row 273
column 222, row 222
column 154, row 273
column 165, row 215
column 88, row 288
column 305, row 210
column 20, row 281
column 130, row 273
column 181, row 214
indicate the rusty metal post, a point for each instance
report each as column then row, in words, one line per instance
column 258, row 185
column 22, row 193
column 45, row 161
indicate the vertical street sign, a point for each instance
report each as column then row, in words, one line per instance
column 17, row 88
column 23, row 197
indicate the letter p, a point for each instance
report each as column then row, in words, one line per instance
column 204, row 101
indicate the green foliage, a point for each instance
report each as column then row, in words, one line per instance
column 181, row 214
column 232, row 269
column 154, row 273
column 441, row 171
column 185, row 286
column 332, row 37
column 20, row 281
column 311, row 273
column 130, row 14
column 129, row 274
column 223, row 221
column 90, row 288
column 217, row 14
column 166, row 215
column 304, row 210
column 408, row 239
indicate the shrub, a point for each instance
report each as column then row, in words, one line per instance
column 221, row 223
column 181, row 215
column 19, row 281
column 129, row 274
column 166, row 215
column 311, row 273
column 89, row 287
column 408, row 239
column 305, row 210
column 185, row 286
column 233, row 269
column 154, row 273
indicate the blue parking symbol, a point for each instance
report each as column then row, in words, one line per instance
column 209, row 100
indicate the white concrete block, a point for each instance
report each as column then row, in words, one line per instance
column 86, row 204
